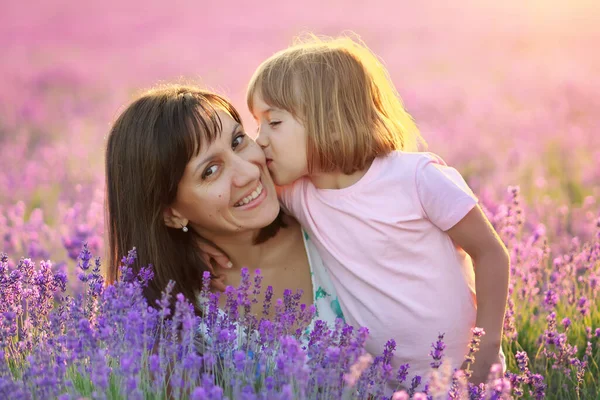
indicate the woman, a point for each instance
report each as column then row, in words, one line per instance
column 181, row 171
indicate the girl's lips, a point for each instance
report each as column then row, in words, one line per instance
column 269, row 162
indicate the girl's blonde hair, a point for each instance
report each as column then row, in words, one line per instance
column 344, row 97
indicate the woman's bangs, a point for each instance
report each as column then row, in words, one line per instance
column 204, row 126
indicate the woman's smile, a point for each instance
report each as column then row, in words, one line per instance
column 253, row 199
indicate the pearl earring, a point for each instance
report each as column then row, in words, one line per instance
column 184, row 228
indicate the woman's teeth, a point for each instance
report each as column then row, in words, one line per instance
column 250, row 197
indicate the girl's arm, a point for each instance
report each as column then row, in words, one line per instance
column 475, row 235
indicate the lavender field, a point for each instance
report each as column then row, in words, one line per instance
column 507, row 92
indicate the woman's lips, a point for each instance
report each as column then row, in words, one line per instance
column 254, row 202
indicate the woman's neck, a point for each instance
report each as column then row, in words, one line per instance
column 243, row 252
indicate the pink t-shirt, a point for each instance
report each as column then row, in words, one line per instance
column 394, row 268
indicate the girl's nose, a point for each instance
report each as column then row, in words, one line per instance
column 262, row 140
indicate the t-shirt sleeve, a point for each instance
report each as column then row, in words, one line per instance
column 444, row 195
column 289, row 197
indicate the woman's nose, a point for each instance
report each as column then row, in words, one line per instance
column 245, row 172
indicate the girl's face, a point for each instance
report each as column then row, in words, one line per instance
column 283, row 139
column 226, row 188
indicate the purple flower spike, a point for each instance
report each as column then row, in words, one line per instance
column 438, row 351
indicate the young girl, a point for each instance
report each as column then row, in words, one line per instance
column 405, row 243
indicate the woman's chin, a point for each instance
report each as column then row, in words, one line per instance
column 265, row 216
column 271, row 214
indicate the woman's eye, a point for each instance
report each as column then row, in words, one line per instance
column 238, row 140
column 209, row 171
column 273, row 124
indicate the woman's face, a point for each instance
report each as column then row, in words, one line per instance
column 227, row 188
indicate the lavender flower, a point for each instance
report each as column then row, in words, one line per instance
column 473, row 348
column 438, row 351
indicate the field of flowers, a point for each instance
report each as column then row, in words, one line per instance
column 507, row 93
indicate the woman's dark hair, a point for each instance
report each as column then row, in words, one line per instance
column 148, row 149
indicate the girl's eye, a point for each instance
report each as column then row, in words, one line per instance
column 238, row 140
column 273, row 124
column 208, row 172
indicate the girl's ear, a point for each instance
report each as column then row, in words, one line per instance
column 173, row 219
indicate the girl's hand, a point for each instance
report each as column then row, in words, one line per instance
column 213, row 256
column 214, row 259
column 485, row 358
column 476, row 236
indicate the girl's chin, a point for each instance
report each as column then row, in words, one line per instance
column 283, row 182
column 280, row 180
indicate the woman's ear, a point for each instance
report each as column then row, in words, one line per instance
column 173, row 219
